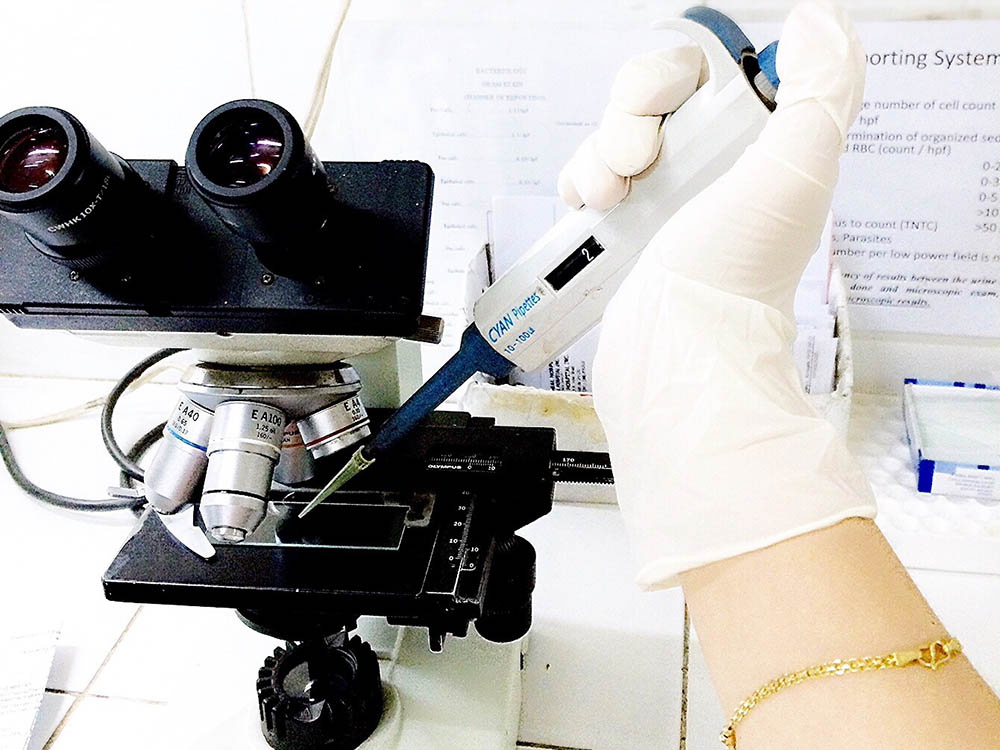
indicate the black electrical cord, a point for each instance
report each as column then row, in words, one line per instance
column 127, row 464
column 54, row 498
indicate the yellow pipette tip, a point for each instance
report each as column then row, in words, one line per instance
column 352, row 468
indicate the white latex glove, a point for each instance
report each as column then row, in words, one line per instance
column 646, row 88
column 715, row 447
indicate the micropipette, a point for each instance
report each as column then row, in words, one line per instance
column 558, row 290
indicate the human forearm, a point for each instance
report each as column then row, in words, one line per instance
column 835, row 593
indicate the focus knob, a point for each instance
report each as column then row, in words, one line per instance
column 507, row 604
column 317, row 695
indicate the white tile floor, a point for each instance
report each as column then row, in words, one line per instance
column 172, row 654
column 50, row 714
column 87, row 637
column 117, row 724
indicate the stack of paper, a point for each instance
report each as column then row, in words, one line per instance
column 815, row 346
column 27, row 645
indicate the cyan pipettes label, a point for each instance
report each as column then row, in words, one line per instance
column 512, row 328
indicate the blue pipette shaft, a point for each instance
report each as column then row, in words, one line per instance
column 473, row 355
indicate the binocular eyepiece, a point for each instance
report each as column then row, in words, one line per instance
column 78, row 203
column 81, row 205
column 250, row 162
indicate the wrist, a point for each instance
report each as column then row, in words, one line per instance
column 826, row 594
column 833, row 594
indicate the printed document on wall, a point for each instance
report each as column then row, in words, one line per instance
column 917, row 210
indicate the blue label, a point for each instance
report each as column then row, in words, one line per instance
column 510, row 321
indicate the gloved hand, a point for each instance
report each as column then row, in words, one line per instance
column 715, row 448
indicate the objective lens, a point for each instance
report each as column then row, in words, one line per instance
column 242, row 451
column 178, row 466
column 295, row 465
column 334, row 428
column 243, row 151
column 31, row 157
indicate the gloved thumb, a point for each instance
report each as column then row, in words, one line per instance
column 821, row 60
column 768, row 211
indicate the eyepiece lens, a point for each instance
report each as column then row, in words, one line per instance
column 242, row 151
column 32, row 156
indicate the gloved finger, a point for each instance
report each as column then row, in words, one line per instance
column 821, row 59
column 659, row 82
column 567, row 190
column 628, row 143
column 594, row 182
column 821, row 64
column 647, row 87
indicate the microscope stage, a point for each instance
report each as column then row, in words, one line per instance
column 414, row 540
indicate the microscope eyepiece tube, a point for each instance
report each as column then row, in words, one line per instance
column 242, row 452
column 31, row 155
column 77, row 203
column 251, row 163
column 178, row 466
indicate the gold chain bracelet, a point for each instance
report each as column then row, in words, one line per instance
column 931, row 656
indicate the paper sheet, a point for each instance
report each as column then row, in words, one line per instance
column 26, row 652
column 917, row 210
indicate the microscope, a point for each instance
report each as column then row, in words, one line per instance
column 299, row 286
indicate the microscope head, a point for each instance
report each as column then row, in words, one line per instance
column 273, row 266
column 254, row 252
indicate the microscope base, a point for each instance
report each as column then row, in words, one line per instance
column 468, row 696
